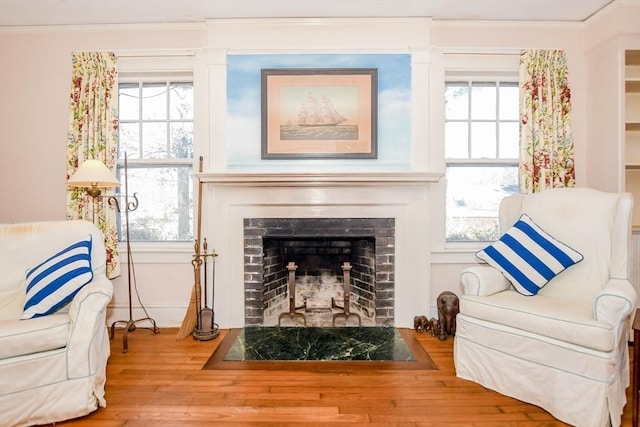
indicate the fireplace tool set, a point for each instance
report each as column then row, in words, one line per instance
column 206, row 327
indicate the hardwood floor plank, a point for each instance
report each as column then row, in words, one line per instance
column 160, row 382
column 232, row 414
column 463, row 419
column 250, row 424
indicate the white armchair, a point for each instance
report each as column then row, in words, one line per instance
column 565, row 348
column 52, row 366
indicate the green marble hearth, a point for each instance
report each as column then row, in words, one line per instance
column 319, row 344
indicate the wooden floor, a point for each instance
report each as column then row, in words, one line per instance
column 159, row 382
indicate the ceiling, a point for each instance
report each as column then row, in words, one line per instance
column 78, row 12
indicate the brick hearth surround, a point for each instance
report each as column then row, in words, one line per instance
column 332, row 236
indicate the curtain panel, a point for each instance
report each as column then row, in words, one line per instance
column 546, row 142
column 93, row 134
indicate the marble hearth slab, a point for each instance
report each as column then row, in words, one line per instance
column 229, row 337
column 302, row 344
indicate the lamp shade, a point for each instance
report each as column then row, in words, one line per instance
column 93, row 173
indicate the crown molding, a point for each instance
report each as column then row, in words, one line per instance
column 172, row 26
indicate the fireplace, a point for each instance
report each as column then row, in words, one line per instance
column 400, row 200
column 319, row 249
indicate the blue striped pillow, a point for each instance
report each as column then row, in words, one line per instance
column 53, row 283
column 528, row 256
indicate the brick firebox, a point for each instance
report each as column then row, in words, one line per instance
column 368, row 243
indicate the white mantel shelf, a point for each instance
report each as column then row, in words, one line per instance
column 319, row 179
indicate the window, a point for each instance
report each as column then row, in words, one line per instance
column 156, row 136
column 481, row 155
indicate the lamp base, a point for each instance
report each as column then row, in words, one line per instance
column 130, row 326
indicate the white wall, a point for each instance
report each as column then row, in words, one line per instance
column 611, row 32
column 35, row 82
column 34, row 105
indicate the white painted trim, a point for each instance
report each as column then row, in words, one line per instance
column 485, row 62
column 316, row 179
column 166, row 26
column 420, row 99
column 506, row 25
column 158, row 53
column 481, row 51
column 183, row 61
column 317, row 35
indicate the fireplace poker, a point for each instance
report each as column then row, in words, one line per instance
column 206, row 313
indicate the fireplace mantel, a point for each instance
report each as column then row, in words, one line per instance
column 356, row 179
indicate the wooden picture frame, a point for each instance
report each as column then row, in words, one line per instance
column 319, row 113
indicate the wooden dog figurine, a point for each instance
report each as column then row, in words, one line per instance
column 421, row 324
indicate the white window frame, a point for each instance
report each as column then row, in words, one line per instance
column 137, row 163
column 133, row 66
column 475, row 66
column 480, row 77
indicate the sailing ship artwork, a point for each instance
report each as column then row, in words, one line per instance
column 319, row 113
column 318, row 119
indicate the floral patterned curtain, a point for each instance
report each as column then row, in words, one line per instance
column 93, row 134
column 546, row 142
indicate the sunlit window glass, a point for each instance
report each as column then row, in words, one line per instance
column 481, row 152
column 156, row 136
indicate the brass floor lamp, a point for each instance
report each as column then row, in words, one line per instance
column 94, row 174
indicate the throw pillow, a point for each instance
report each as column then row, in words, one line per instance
column 528, row 256
column 53, row 283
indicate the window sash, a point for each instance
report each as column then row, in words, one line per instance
column 165, row 166
column 469, row 120
column 474, row 218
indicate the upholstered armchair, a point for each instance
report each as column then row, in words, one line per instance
column 547, row 320
column 54, row 343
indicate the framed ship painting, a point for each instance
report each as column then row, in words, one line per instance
column 319, row 113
